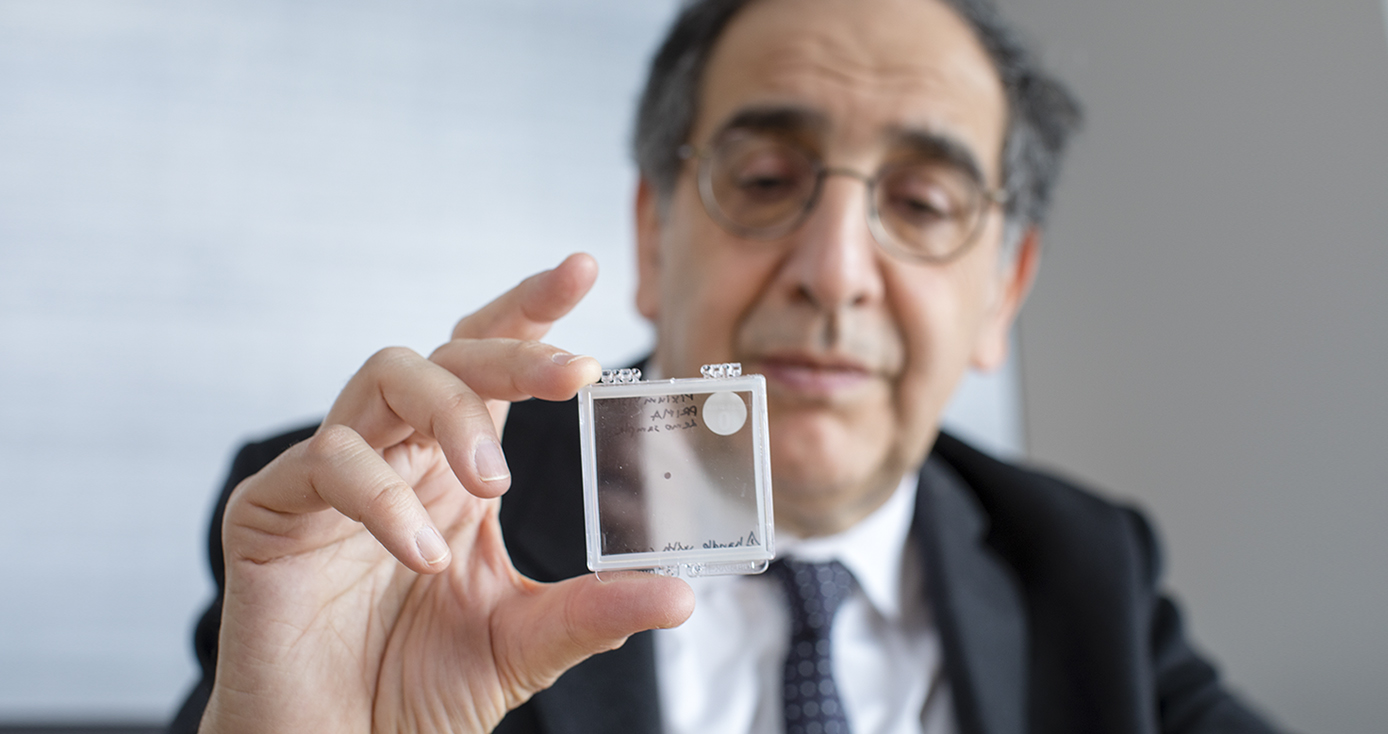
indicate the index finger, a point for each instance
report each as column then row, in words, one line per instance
column 528, row 310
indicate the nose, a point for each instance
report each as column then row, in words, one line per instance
column 834, row 264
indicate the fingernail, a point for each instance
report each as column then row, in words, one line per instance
column 565, row 359
column 432, row 547
column 612, row 576
column 490, row 462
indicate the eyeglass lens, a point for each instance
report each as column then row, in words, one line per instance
column 760, row 186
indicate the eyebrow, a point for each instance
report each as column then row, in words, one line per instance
column 929, row 144
column 940, row 147
column 780, row 119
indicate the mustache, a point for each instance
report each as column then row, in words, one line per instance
column 843, row 338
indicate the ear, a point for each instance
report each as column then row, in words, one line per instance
column 1014, row 283
column 648, row 233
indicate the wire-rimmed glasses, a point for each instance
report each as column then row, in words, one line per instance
column 762, row 186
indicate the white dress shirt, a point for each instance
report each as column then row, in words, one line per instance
column 721, row 670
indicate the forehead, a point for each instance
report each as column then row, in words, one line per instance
column 869, row 68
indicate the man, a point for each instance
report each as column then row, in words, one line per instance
column 842, row 196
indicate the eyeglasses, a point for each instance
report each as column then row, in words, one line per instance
column 764, row 187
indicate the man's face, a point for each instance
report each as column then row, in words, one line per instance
column 861, row 350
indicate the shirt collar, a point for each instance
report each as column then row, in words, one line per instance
column 873, row 550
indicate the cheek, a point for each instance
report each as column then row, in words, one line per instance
column 812, row 447
column 940, row 315
column 708, row 286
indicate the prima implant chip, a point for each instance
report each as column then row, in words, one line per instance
column 677, row 473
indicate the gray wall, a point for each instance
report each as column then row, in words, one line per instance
column 1210, row 332
column 211, row 213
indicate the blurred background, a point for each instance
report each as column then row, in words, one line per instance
column 212, row 212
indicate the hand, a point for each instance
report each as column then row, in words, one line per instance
column 367, row 585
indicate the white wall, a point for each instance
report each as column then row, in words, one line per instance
column 211, row 213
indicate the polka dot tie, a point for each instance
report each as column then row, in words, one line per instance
column 814, row 592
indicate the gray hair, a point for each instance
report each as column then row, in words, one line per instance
column 1042, row 113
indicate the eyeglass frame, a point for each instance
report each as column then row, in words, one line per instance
column 880, row 234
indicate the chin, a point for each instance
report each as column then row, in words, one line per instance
column 817, row 462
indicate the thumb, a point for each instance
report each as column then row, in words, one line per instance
column 563, row 624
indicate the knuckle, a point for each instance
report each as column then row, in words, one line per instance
column 461, row 409
column 392, row 500
column 237, row 499
column 461, row 405
column 443, row 350
column 389, row 358
column 330, row 443
column 526, row 358
column 532, row 350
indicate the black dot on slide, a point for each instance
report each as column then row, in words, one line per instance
column 667, row 475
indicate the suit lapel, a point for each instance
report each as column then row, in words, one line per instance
column 977, row 604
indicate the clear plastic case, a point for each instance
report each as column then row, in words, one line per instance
column 677, row 473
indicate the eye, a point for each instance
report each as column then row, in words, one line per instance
column 917, row 208
column 759, row 183
column 923, row 196
column 762, row 183
column 920, row 207
column 766, row 175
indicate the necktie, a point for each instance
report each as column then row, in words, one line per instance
column 814, row 592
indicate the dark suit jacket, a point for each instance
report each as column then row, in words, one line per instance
column 1045, row 596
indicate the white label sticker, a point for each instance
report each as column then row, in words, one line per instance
column 725, row 413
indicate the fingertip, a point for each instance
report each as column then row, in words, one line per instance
column 680, row 604
column 589, row 369
column 549, row 295
column 578, row 272
column 582, row 263
column 595, row 614
column 653, row 601
column 562, row 381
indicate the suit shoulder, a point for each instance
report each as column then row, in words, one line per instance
column 998, row 480
column 1030, row 509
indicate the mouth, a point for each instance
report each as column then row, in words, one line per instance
column 813, row 376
